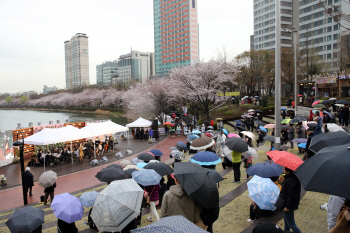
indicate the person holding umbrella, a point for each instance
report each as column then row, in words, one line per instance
column 236, row 166
column 252, row 123
column 152, row 199
column 300, row 130
column 289, row 199
column 291, row 135
column 346, row 115
column 49, row 191
column 29, row 178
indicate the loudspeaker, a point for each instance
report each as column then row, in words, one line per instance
column 155, row 129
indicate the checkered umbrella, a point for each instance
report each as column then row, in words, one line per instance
column 25, row 220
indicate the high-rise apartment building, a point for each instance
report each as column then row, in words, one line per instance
column 176, row 40
column 319, row 33
column 77, row 61
column 265, row 25
column 135, row 66
column 105, row 73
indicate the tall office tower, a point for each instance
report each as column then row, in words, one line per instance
column 77, row 61
column 264, row 23
column 319, row 33
column 175, row 34
column 105, row 73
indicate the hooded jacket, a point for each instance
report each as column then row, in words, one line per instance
column 176, row 202
column 291, row 191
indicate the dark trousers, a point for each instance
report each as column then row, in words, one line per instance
column 258, row 213
column 47, row 196
column 346, row 121
column 291, row 143
column 237, row 171
column 289, row 222
column 29, row 189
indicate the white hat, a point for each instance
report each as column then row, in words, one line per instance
column 28, row 169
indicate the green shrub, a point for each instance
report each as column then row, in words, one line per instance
column 264, row 101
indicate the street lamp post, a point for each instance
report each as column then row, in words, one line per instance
column 278, row 79
column 21, row 145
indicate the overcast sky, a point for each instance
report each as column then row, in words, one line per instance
column 32, row 35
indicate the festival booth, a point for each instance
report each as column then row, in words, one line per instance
column 140, row 123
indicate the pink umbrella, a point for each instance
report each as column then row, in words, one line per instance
column 269, row 126
column 233, row 135
column 316, row 102
column 208, row 134
column 285, row 159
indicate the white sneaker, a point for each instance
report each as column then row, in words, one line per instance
column 149, row 219
column 324, row 206
column 249, row 220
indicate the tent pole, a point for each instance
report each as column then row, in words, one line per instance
column 71, row 149
column 128, row 139
column 94, row 149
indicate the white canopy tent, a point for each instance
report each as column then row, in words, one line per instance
column 140, row 123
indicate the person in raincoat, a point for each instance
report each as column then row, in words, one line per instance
column 236, row 166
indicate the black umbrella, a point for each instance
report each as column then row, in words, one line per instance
column 130, row 171
column 284, row 127
column 25, row 220
column 240, row 127
column 297, row 119
column 145, row 156
column 181, row 146
column 215, row 175
column 342, row 102
column 111, row 174
column 327, row 102
column 312, row 125
column 206, row 122
column 115, row 166
column 270, row 138
column 258, row 111
column 327, row 171
column 161, row 168
column 323, row 140
column 197, row 183
column 259, row 123
column 236, row 144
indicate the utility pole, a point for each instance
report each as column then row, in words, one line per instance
column 294, row 31
column 278, row 78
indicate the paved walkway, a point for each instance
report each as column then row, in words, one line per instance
column 12, row 197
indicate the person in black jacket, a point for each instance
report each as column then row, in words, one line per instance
column 290, row 193
column 284, row 114
column 346, row 115
column 252, row 123
column 63, row 227
column 49, row 191
column 29, row 178
column 308, row 153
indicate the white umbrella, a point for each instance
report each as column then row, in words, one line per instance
column 251, row 110
column 131, row 167
column 125, row 163
column 227, row 153
column 249, row 134
column 334, row 127
column 47, row 179
column 333, row 99
column 117, row 205
column 339, row 105
column 251, row 153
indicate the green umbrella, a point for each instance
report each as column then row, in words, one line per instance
column 319, row 106
column 285, row 121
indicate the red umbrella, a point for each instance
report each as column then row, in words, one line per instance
column 208, row 134
column 299, row 95
column 167, row 123
column 316, row 102
column 285, row 159
column 172, row 125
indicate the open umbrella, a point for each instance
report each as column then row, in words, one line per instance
column 47, row 179
column 323, row 140
column 111, row 174
column 342, row 102
column 25, row 220
column 202, row 143
column 197, row 183
column 236, row 144
column 145, row 156
column 302, row 145
column 327, row 171
column 319, row 106
column 156, row 152
column 233, row 135
column 300, row 95
column 115, row 166
column 215, row 175
column 219, row 119
column 297, row 119
column 259, row 111
column 130, row 167
column 284, row 127
column 263, row 129
column 285, row 159
column 135, row 161
column 237, row 121
column 283, row 108
column 249, row 134
column 263, row 192
column 125, row 163
column 327, row 102
column 208, row 135
column 141, row 165
column 166, row 123
column 251, row 153
column 226, row 131
column 67, row 208
column 333, row 99
column 316, row 102
column 265, row 170
column 241, row 128
column 178, row 155
column 311, row 124
column 285, row 121
column 334, row 127
column 269, row 126
column 181, row 146
column 172, row 224
column 87, row 199
column 117, row 205
column 131, row 170
column 270, row 138
column 260, row 123
column 300, row 140
column 146, row 177
column 161, row 168
column 251, row 110
column 193, row 136
column 206, row 158
column 196, row 132
column 210, row 127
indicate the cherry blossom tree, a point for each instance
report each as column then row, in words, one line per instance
column 200, row 83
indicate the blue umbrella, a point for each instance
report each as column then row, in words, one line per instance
column 156, row 152
column 67, row 208
column 300, row 140
column 283, row 108
column 172, row 224
column 193, row 137
column 88, row 199
column 263, row 192
column 238, row 121
column 181, row 146
column 196, row 132
column 225, row 131
column 302, row 145
column 330, row 115
column 146, row 177
column 206, row 158
column 141, row 165
column 265, row 170
column 262, row 129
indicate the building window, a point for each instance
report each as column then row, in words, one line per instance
column 329, row 47
column 329, row 29
column 335, row 27
column 335, row 37
column 329, row 56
